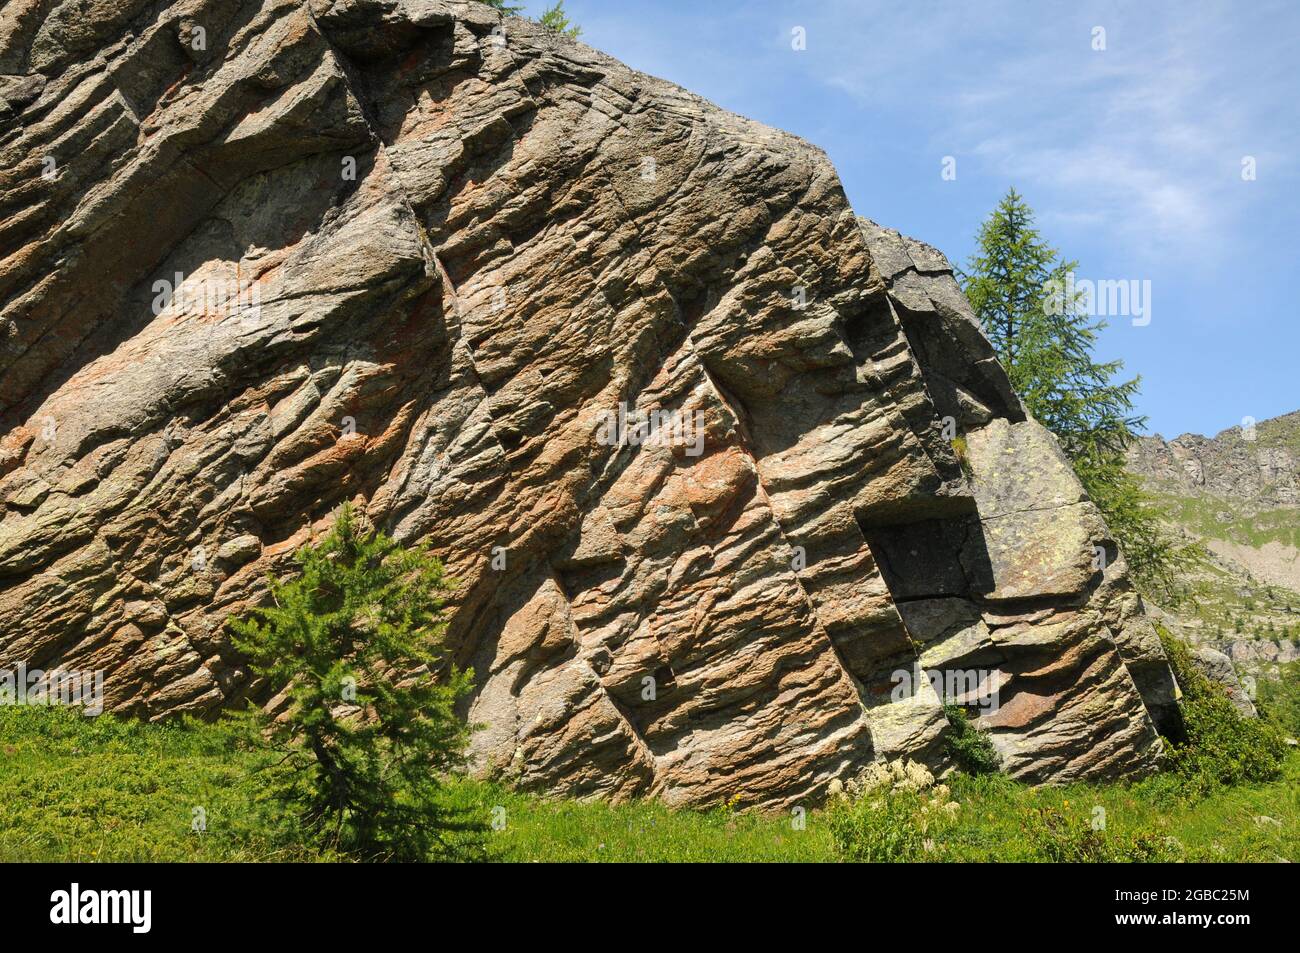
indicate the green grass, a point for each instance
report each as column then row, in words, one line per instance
column 1278, row 700
column 539, row 829
column 74, row 788
column 1222, row 519
column 103, row 789
column 1282, row 432
column 1228, row 604
column 1220, row 827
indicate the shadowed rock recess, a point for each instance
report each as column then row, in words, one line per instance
column 258, row 258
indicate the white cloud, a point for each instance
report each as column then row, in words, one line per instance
column 1143, row 140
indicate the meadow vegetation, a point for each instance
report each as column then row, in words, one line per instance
column 74, row 788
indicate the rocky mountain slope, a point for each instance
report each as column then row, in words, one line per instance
column 714, row 461
column 1257, row 466
column 1238, row 493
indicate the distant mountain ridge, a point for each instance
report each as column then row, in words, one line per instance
column 1256, row 466
column 1238, row 493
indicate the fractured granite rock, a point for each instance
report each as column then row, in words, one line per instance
column 684, row 428
column 1218, row 668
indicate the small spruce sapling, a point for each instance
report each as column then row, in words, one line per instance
column 365, row 714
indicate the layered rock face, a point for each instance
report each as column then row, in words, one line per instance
column 715, row 463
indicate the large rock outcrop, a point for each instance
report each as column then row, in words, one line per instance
column 261, row 257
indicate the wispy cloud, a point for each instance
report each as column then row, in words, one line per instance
column 1143, row 138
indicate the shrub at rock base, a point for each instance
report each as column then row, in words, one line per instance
column 1220, row 747
column 890, row 813
column 969, row 747
column 896, row 813
column 1279, row 699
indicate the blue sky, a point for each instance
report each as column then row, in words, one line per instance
column 1131, row 156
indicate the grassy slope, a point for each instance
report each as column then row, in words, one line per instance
column 1214, row 518
column 1229, row 603
column 80, row 789
column 1281, row 432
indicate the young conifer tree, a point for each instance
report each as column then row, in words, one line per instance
column 1017, row 285
column 366, row 721
column 554, row 18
